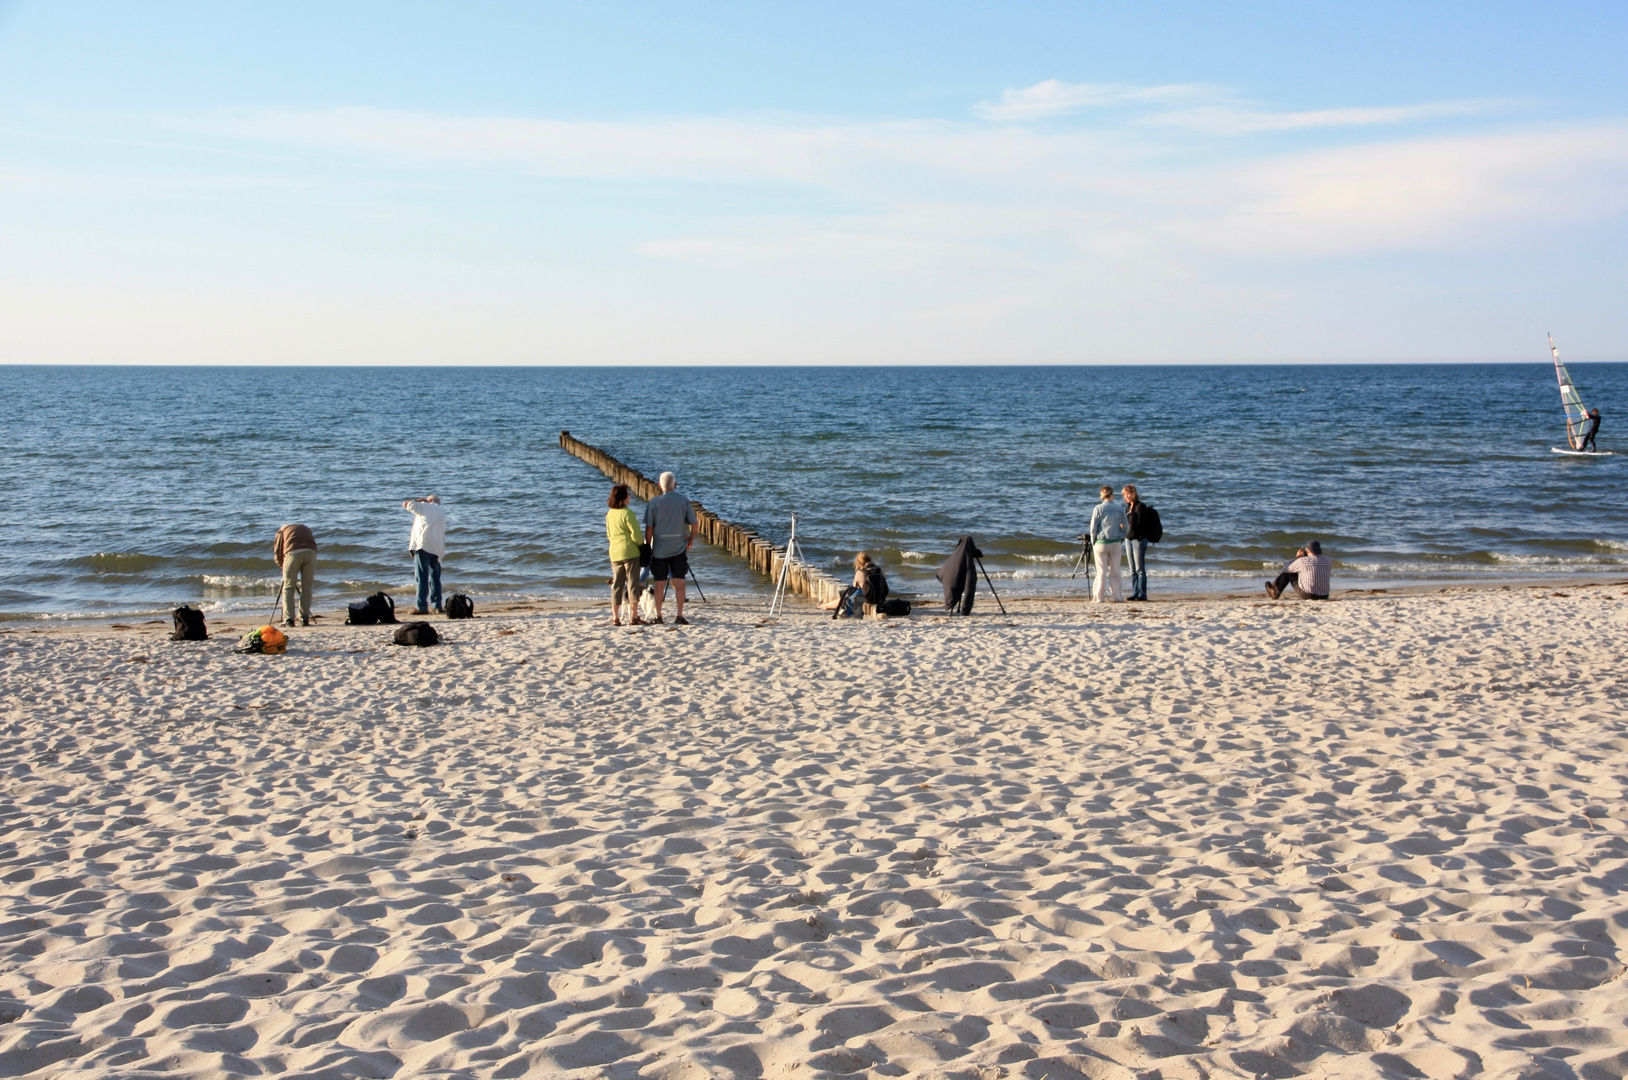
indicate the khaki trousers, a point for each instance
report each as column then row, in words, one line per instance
column 623, row 576
column 299, row 567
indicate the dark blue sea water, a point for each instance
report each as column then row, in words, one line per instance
column 130, row 489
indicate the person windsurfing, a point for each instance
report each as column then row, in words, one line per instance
column 1579, row 438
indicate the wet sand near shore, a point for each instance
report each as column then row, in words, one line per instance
column 1379, row 836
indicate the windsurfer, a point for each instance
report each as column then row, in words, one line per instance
column 1587, row 441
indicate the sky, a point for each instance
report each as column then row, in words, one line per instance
column 611, row 183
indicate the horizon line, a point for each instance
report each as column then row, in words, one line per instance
column 1232, row 362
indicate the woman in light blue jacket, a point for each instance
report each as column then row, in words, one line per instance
column 1108, row 529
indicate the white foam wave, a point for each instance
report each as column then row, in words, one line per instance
column 241, row 582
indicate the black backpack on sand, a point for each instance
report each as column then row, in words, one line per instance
column 896, row 608
column 417, row 633
column 189, row 624
column 378, row 608
column 459, row 606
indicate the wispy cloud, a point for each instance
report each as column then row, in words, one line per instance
column 1041, row 183
column 1470, row 192
column 998, row 229
column 1056, row 98
column 885, row 157
column 1233, row 120
column 1207, row 109
column 704, row 149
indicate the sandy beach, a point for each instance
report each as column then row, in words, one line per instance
column 1382, row 836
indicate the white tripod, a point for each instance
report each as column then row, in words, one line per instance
column 776, row 605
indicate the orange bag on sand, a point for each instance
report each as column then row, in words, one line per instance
column 267, row 639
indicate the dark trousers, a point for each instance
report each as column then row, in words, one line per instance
column 1588, row 443
column 1285, row 579
column 427, row 572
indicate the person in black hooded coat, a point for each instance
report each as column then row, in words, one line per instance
column 959, row 575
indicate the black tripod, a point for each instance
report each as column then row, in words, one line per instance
column 991, row 584
column 1085, row 557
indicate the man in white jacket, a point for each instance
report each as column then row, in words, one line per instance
column 426, row 545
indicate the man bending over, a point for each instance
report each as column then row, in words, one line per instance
column 1308, row 573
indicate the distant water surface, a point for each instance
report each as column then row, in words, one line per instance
column 131, row 489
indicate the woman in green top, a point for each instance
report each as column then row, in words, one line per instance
column 622, row 527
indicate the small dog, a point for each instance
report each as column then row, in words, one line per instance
column 646, row 602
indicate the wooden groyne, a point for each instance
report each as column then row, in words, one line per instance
column 760, row 554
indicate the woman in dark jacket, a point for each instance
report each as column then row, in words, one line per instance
column 1144, row 530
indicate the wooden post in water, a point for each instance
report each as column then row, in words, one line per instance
column 760, row 555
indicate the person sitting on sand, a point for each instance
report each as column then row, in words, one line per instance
column 669, row 529
column 295, row 550
column 426, row 544
column 622, row 527
column 1108, row 528
column 1308, row 573
column 1587, row 441
column 866, row 573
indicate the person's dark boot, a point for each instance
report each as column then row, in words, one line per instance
column 1271, row 590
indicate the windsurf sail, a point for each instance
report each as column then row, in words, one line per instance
column 1570, row 400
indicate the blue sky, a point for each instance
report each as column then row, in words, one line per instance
column 504, row 183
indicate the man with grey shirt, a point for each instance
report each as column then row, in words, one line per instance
column 669, row 529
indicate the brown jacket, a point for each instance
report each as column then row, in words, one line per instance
column 292, row 538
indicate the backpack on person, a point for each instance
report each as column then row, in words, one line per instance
column 268, row 639
column 1152, row 527
column 460, row 606
column 417, row 633
column 378, row 608
column 875, row 586
column 189, row 624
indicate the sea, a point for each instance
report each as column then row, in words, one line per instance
column 129, row 490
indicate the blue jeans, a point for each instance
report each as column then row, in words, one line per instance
column 427, row 572
column 1138, row 551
